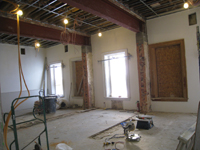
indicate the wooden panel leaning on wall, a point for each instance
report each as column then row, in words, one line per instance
column 168, row 71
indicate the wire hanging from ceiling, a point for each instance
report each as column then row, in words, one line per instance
column 65, row 35
column 76, row 23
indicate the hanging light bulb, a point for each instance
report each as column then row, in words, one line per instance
column 37, row 44
column 100, row 34
column 20, row 12
column 65, row 21
column 186, row 5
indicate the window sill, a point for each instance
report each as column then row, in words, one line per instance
column 117, row 99
column 56, row 95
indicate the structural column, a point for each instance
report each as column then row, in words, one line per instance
column 143, row 72
column 88, row 86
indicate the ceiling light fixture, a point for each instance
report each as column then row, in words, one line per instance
column 20, row 12
column 186, row 5
column 65, row 21
column 37, row 44
column 100, row 34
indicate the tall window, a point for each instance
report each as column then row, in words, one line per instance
column 56, row 79
column 116, row 74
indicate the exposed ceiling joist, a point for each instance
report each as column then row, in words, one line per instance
column 129, row 10
column 9, row 26
column 108, row 11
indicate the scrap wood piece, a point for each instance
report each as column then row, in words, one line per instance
column 79, row 89
column 185, row 137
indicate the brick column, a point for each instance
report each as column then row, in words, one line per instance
column 143, row 72
column 88, row 86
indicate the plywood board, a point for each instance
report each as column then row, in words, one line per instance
column 168, row 64
column 168, row 71
column 79, row 78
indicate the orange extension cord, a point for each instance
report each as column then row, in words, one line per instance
column 21, row 76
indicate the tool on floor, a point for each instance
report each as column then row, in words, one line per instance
column 144, row 122
column 128, row 127
column 37, row 146
column 106, row 143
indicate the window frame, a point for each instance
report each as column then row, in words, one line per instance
column 127, row 75
column 51, row 78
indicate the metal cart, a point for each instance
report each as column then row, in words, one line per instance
column 14, row 124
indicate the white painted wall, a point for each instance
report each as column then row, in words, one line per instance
column 32, row 65
column 112, row 40
column 57, row 53
column 173, row 27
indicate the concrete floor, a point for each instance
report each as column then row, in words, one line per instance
column 75, row 129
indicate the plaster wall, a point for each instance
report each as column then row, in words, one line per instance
column 173, row 27
column 112, row 40
column 32, row 65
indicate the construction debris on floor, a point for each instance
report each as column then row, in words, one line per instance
column 86, row 131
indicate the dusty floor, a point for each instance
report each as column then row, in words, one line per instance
column 75, row 129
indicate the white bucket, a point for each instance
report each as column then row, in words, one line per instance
column 63, row 146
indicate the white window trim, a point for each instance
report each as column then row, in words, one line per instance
column 62, row 77
column 127, row 77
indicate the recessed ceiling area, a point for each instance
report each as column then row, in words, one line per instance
column 25, row 41
column 149, row 9
column 51, row 13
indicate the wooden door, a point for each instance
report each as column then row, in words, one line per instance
column 168, row 71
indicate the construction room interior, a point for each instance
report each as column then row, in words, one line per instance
column 99, row 74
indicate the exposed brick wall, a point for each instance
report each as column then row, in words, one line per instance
column 143, row 75
column 88, row 96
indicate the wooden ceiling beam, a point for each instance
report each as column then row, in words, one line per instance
column 9, row 26
column 109, row 11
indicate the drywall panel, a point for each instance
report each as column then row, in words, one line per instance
column 112, row 40
column 32, row 65
column 173, row 27
column 57, row 53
